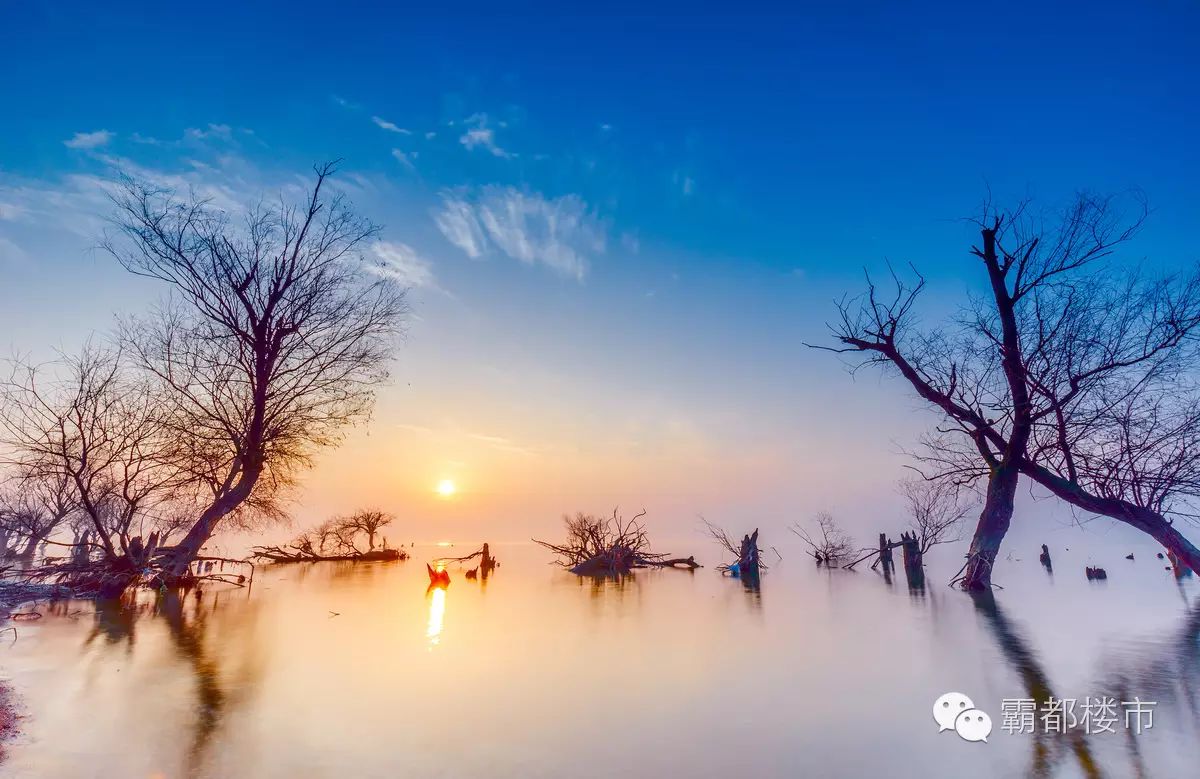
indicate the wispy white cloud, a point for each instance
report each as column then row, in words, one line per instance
column 399, row 261
column 563, row 234
column 92, row 140
column 480, row 135
column 458, row 223
column 221, row 132
column 389, row 126
column 405, row 158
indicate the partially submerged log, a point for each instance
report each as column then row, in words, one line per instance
column 1044, row 558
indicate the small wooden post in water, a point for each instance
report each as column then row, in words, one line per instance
column 914, row 568
column 486, row 561
column 1044, row 558
column 885, row 552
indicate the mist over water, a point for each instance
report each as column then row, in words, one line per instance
column 333, row 670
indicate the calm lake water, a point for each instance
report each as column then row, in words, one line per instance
column 341, row 670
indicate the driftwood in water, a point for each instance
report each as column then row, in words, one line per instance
column 487, row 563
column 110, row 578
column 1095, row 573
column 1044, row 558
column 914, row 567
column 882, row 555
column 609, row 547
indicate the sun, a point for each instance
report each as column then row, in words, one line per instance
column 446, row 488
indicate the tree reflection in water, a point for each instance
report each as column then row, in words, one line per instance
column 186, row 616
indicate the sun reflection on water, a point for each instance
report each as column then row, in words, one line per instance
column 437, row 613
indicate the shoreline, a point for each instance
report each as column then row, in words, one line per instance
column 12, row 596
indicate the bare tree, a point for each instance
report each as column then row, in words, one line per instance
column 935, row 509
column 83, row 436
column 31, row 510
column 272, row 340
column 1029, row 378
column 335, row 539
column 829, row 543
column 366, row 522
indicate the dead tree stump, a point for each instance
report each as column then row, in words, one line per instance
column 1044, row 558
column 885, row 553
column 748, row 561
column 914, row 568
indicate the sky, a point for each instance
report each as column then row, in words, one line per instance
column 620, row 225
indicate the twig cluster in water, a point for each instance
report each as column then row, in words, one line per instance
column 829, row 543
column 608, row 545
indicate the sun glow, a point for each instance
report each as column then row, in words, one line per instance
column 446, row 488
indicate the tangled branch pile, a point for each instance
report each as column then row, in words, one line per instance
column 336, row 539
column 605, row 546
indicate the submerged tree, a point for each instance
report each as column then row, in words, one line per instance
column 936, row 511
column 609, row 545
column 1042, row 372
column 829, row 543
column 86, row 439
column 335, row 539
column 31, row 510
column 746, row 554
column 272, row 340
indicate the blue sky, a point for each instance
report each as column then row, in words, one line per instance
column 619, row 224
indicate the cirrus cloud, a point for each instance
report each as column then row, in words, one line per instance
column 562, row 234
column 402, row 263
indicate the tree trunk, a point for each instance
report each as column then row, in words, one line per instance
column 186, row 551
column 1150, row 522
column 26, row 554
column 993, row 525
column 885, row 553
column 914, row 565
column 748, row 568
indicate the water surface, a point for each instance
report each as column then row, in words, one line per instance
column 336, row 670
